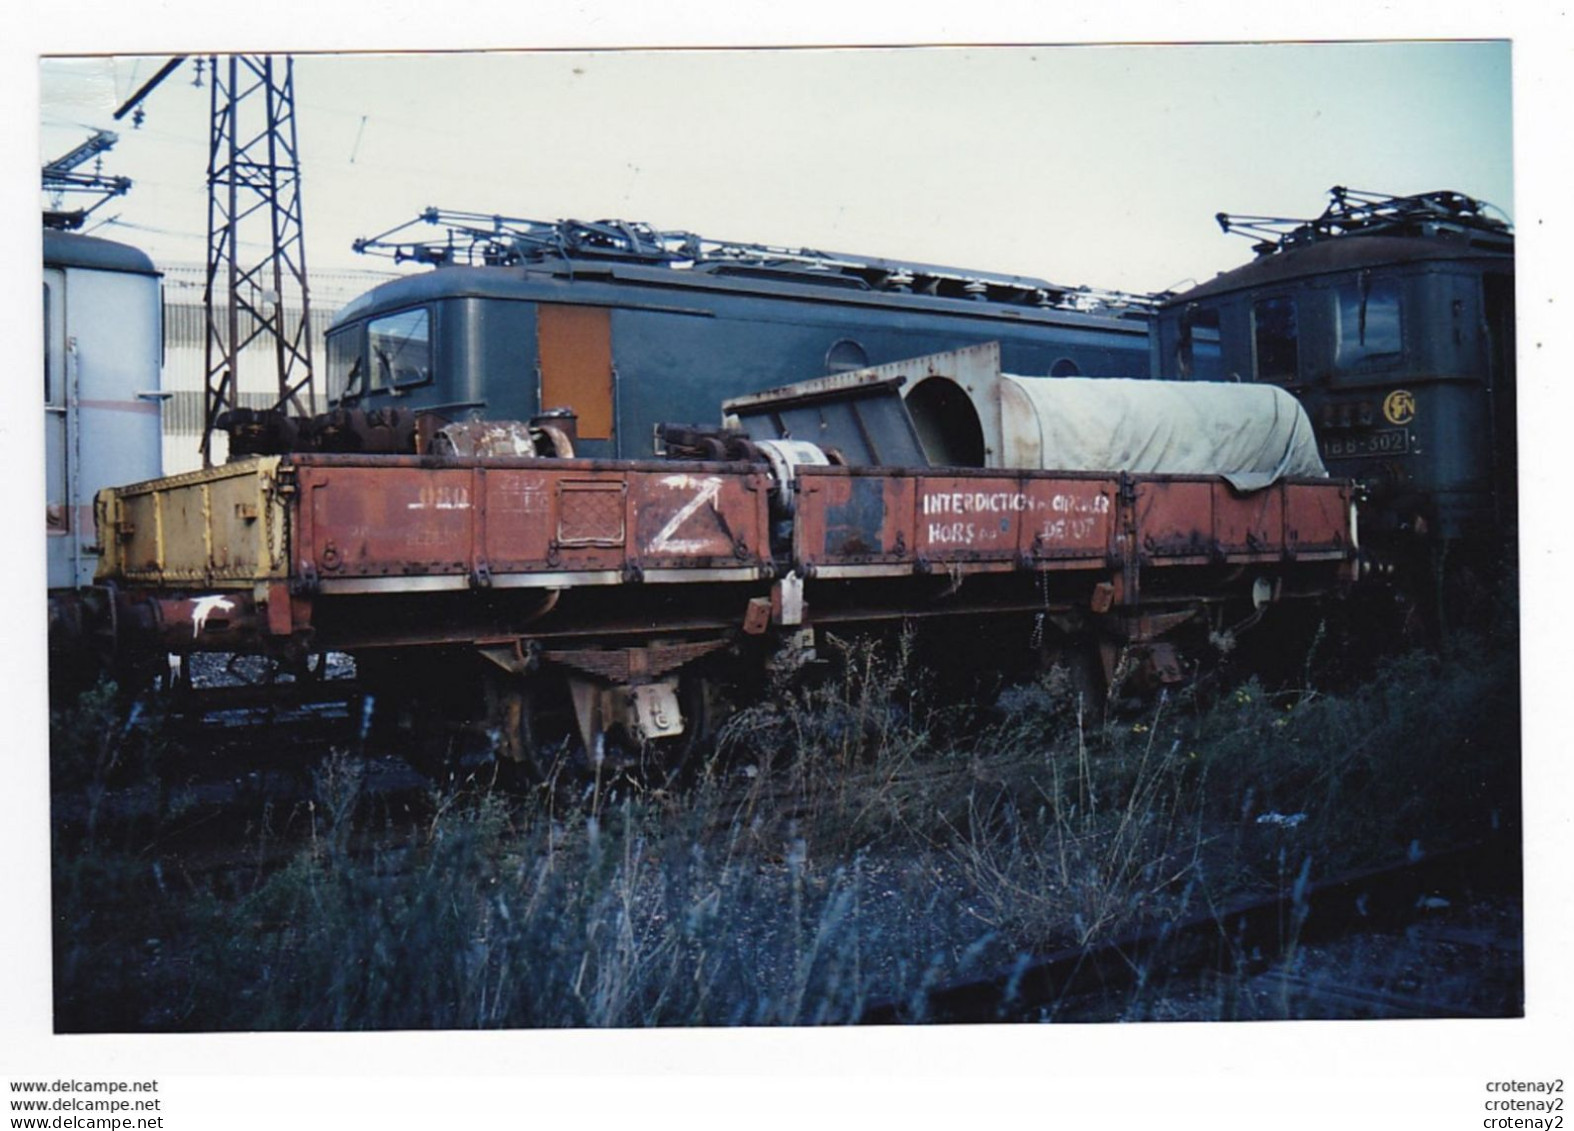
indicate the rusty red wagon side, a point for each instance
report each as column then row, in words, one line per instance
column 614, row 590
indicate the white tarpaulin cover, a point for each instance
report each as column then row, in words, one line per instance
column 1252, row 435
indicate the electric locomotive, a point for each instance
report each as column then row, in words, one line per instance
column 628, row 327
column 1392, row 319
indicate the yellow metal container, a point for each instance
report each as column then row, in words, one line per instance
column 222, row 527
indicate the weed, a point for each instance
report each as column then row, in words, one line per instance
column 854, row 840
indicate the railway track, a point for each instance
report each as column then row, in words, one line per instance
column 1249, row 940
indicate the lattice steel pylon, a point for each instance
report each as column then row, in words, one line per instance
column 254, row 190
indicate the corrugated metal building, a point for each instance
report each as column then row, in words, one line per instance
column 185, row 359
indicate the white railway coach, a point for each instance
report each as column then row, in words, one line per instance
column 102, row 352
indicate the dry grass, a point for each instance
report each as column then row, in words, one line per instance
column 851, row 841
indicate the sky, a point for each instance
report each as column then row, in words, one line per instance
column 1092, row 164
column 1089, row 164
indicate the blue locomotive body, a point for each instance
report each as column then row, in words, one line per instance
column 630, row 342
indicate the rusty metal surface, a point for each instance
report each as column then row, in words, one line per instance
column 216, row 622
column 374, row 540
column 968, row 521
column 1023, row 518
column 633, row 665
column 482, row 519
column 486, row 519
column 1198, row 521
column 1318, row 519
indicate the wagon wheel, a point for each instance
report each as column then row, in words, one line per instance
column 543, row 728
column 544, row 737
column 668, row 760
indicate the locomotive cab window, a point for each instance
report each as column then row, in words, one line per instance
column 400, row 349
column 1368, row 322
column 1277, row 339
column 346, row 372
column 1197, row 344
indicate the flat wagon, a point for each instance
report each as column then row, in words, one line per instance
column 595, row 609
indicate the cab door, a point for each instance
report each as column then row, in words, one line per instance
column 574, row 345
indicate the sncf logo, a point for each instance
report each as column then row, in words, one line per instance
column 1399, row 407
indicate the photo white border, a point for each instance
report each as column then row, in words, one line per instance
column 1420, row 1074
